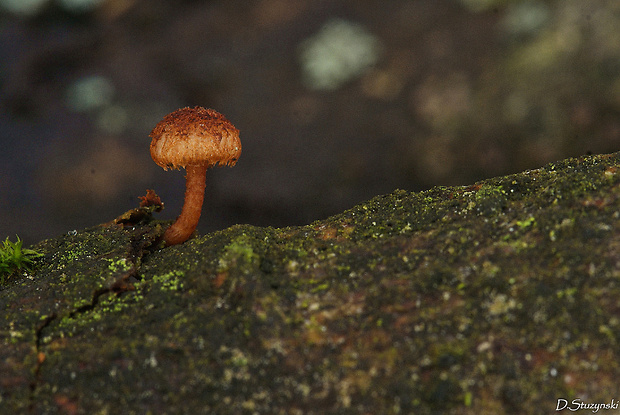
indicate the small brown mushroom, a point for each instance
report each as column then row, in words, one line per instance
column 196, row 139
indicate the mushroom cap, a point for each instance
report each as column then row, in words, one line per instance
column 194, row 136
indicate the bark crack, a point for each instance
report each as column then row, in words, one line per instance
column 139, row 246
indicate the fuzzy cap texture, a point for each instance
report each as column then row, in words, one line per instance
column 194, row 136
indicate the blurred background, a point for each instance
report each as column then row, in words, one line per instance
column 337, row 100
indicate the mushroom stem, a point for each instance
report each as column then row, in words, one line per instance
column 187, row 221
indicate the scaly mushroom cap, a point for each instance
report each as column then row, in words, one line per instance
column 194, row 136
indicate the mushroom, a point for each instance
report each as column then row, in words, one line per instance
column 196, row 139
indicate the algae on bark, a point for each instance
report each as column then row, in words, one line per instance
column 500, row 297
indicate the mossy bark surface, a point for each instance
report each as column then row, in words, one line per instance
column 496, row 298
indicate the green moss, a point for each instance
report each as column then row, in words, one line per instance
column 88, row 316
column 120, row 264
column 526, row 223
column 13, row 258
column 171, row 281
column 240, row 253
column 490, row 199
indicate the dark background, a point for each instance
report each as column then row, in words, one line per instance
column 452, row 91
